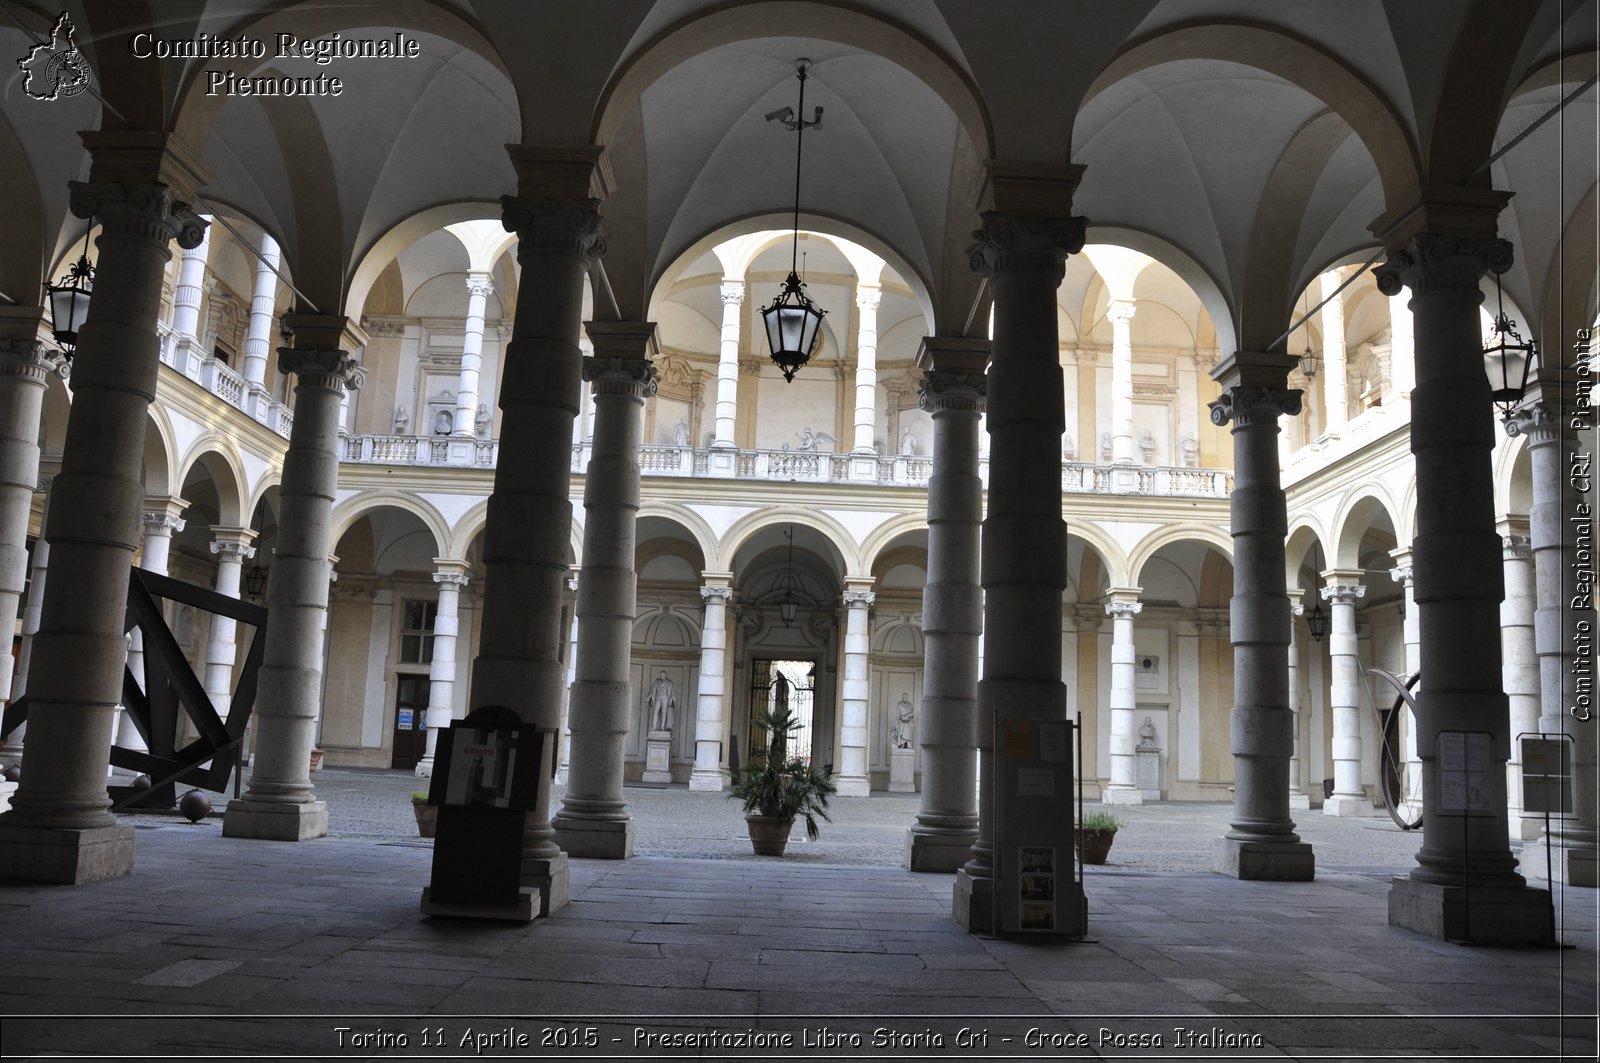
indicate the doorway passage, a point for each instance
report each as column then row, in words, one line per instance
column 773, row 682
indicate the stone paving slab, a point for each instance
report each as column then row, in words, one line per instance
column 268, row 947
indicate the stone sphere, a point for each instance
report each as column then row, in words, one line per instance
column 12, row 773
column 140, row 782
column 194, row 806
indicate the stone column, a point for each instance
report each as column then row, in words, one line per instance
column 1335, row 373
column 1560, row 431
column 867, row 298
column 1022, row 249
column 593, row 820
column 727, row 412
column 451, row 576
column 1122, row 788
column 186, row 302
column 39, row 569
column 1261, row 842
column 952, row 390
column 1124, row 449
column 1402, row 347
column 25, row 365
column 280, row 803
column 479, row 287
column 161, row 521
column 258, row 337
column 233, row 549
column 60, row 828
column 1440, row 248
column 1343, row 590
column 852, row 778
column 711, row 705
column 1520, row 668
column 1298, row 797
column 527, row 537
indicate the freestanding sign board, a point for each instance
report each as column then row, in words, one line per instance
column 485, row 781
column 1546, row 775
column 1037, row 889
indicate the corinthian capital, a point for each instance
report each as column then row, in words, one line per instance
column 1430, row 262
column 148, row 210
column 29, row 359
column 1252, row 406
column 940, row 390
column 1540, row 421
column 636, row 377
column 480, row 284
column 732, row 292
column 555, row 225
column 1023, row 242
column 330, row 367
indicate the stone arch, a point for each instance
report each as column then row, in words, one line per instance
column 842, row 551
column 1209, row 534
column 891, row 535
column 1354, row 518
column 1113, row 559
column 347, row 513
column 160, row 474
column 221, row 462
column 370, row 263
column 1298, row 62
column 1186, row 266
column 693, row 523
column 1305, row 535
column 1512, row 463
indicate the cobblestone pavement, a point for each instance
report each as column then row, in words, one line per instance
column 871, row 832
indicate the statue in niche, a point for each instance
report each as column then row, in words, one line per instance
column 680, row 433
column 481, row 421
column 1147, row 734
column 1147, row 447
column 1105, row 446
column 663, row 698
column 444, row 422
column 402, row 419
column 1069, row 448
column 1191, row 450
column 900, row 734
column 908, row 443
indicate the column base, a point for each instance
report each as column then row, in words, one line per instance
column 1121, row 795
column 972, row 903
column 1571, row 866
column 852, row 786
column 595, row 839
column 1300, row 802
column 65, row 856
column 1264, row 861
column 275, row 821
column 937, row 852
column 1528, row 828
column 864, row 468
column 1345, row 805
column 526, row 910
column 551, row 879
column 710, row 782
column 424, row 768
column 1483, row 916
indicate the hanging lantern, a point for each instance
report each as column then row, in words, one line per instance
column 793, row 321
column 69, row 300
column 1317, row 622
column 1507, row 358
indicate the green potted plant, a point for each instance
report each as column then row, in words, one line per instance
column 775, row 787
column 427, row 815
column 1095, row 835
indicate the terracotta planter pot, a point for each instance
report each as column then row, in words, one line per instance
column 769, row 834
column 1094, row 845
column 316, row 758
column 427, row 817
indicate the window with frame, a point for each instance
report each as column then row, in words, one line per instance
column 416, row 632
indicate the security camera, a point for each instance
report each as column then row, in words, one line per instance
column 782, row 114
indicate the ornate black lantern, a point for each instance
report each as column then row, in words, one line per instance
column 1507, row 358
column 255, row 581
column 787, row 604
column 793, row 321
column 1317, row 622
column 69, row 300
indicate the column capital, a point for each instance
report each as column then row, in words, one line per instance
column 452, row 578
column 1402, row 574
column 328, row 367
column 868, row 296
column 1463, row 213
column 1123, row 608
column 857, row 598
column 1246, row 406
column 1343, row 585
column 940, row 391
column 450, row 566
column 732, row 292
column 29, row 359
column 480, row 285
column 633, row 377
column 1431, row 261
column 161, row 522
column 150, row 210
column 1541, row 420
column 1297, row 607
column 1121, row 311
column 1516, row 547
column 233, row 543
column 1012, row 243
column 567, row 225
column 722, row 594
column 956, row 354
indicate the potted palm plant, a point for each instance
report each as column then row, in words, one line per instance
column 1095, row 835
column 775, row 787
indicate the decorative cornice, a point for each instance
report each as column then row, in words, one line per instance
column 326, row 367
column 1010, row 243
column 383, row 326
column 630, row 377
column 938, row 391
column 1433, row 262
column 573, row 226
column 147, row 210
column 1254, row 406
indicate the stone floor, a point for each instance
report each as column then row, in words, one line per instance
column 218, row 947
